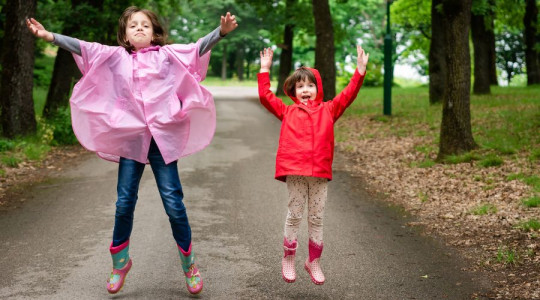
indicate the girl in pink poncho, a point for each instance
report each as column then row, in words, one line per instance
column 138, row 103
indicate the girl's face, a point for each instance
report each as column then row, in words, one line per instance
column 139, row 31
column 305, row 90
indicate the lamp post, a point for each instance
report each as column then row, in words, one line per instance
column 388, row 69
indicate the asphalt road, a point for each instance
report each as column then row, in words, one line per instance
column 55, row 245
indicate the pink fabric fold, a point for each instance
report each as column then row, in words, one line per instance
column 123, row 100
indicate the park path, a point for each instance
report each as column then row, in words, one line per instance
column 55, row 246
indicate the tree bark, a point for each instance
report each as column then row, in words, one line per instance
column 224, row 62
column 492, row 55
column 456, row 135
column 437, row 63
column 531, row 55
column 18, row 117
column 240, row 63
column 65, row 72
column 285, row 58
column 481, row 54
column 324, row 47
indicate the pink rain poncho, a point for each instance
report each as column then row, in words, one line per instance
column 123, row 100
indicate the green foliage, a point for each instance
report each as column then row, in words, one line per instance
column 36, row 151
column 531, row 225
column 531, row 202
column 428, row 163
column 412, row 20
column 10, row 161
column 463, row 158
column 532, row 180
column 61, row 127
column 43, row 68
column 491, row 161
column 424, row 197
column 6, row 145
column 535, row 155
column 507, row 256
column 484, row 209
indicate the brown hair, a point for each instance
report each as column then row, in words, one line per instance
column 300, row 74
column 159, row 37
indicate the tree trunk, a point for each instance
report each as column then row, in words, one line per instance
column 324, row 47
column 18, row 117
column 285, row 58
column 437, row 63
column 240, row 63
column 456, row 135
column 224, row 62
column 65, row 73
column 492, row 54
column 531, row 55
column 286, row 55
column 481, row 54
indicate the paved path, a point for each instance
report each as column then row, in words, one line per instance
column 56, row 245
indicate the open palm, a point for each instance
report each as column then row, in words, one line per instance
column 362, row 59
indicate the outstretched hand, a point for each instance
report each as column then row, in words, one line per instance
column 38, row 30
column 228, row 24
column 266, row 59
column 362, row 60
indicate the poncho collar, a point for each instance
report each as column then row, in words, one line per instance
column 144, row 50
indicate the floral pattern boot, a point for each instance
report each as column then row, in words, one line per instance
column 194, row 281
column 121, row 266
column 312, row 265
column 288, row 270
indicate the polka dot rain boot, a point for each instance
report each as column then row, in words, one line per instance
column 121, row 266
column 312, row 265
column 194, row 281
column 288, row 270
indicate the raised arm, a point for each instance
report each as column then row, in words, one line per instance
column 39, row 30
column 68, row 43
column 267, row 98
column 228, row 24
column 349, row 93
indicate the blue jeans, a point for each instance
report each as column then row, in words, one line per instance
column 170, row 190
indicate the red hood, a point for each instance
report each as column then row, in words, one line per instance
column 320, row 94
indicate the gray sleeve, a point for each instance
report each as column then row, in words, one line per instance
column 210, row 40
column 68, row 43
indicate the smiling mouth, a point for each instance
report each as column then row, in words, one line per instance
column 306, row 97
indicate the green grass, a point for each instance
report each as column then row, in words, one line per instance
column 40, row 96
column 484, row 209
column 216, row 81
column 531, row 202
column 531, row 225
column 533, row 180
column 504, row 123
column 507, row 256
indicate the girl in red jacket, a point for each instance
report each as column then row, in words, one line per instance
column 305, row 152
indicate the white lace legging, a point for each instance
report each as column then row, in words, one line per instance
column 312, row 190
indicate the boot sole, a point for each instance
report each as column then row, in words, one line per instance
column 123, row 281
column 312, row 279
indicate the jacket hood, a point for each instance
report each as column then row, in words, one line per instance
column 320, row 94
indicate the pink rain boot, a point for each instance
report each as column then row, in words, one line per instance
column 121, row 266
column 312, row 264
column 194, row 281
column 287, row 262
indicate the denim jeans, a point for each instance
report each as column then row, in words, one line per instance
column 170, row 190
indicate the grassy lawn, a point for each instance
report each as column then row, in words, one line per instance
column 503, row 123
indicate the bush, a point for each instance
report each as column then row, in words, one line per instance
column 62, row 130
column 6, row 145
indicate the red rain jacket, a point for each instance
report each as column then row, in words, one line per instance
column 306, row 142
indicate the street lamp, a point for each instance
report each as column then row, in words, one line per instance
column 388, row 69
